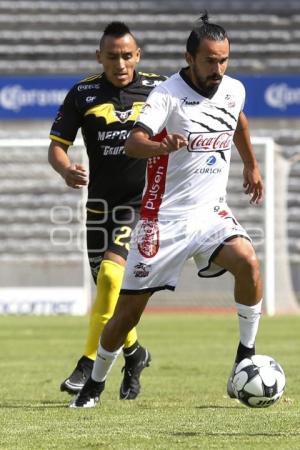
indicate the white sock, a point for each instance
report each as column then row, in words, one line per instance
column 248, row 320
column 103, row 363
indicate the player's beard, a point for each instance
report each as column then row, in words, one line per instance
column 206, row 85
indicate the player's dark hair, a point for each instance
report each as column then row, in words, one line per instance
column 204, row 30
column 115, row 29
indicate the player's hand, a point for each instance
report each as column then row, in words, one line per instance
column 253, row 184
column 172, row 142
column 76, row 176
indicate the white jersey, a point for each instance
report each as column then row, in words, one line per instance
column 196, row 175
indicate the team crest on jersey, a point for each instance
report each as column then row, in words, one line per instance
column 148, row 238
column 230, row 101
column 108, row 112
column 123, row 115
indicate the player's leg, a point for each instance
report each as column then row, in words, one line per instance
column 108, row 284
column 107, row 271
column 224, row 245
column 97, row 243
column 136, row 357
column 154, row 263
column 110, row 275
column 126, row 316
column 238, row 257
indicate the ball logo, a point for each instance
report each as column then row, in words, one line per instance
column 148, row 238
column 211, row 160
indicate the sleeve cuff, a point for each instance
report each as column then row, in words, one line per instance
column 142, row 125
column 58, row 139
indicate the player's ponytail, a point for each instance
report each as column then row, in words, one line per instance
column 204, row 30
column 204, row 17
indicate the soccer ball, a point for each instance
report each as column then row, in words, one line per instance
column 259, row 381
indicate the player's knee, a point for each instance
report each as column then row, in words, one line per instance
column 107, row 278
column 130, row 318
column 248, row 267
column 126, row 315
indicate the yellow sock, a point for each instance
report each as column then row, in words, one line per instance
column 109, row 283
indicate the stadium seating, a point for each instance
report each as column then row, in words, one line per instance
column 61, row 37
column 40, row 221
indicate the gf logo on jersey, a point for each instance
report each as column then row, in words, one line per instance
column 90, row 99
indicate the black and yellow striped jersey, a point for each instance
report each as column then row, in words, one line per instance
column 106, row 114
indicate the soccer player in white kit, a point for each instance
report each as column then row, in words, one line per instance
column 186, row 130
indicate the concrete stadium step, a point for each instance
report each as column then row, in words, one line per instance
column 48, row 30
column 38, row 230
column 59, row 214
column 31, row 186
column 30, row 170
column 38, row 246
column 33, row 202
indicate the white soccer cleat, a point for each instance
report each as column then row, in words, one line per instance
column 89, row 396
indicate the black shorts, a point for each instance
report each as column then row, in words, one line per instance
column 109, row 231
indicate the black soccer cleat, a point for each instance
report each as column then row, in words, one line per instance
column 130, row 387
column 75, row 382
column 89, row 395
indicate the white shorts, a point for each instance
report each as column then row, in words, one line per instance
column 159, row 249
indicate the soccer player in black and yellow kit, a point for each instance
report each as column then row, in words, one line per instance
column 105, row 107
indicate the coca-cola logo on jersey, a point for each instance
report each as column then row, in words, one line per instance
column 148, row 238
column 210, row 141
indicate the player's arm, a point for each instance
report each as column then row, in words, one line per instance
column 74, row 175
column 139, row 144
column 253, row 183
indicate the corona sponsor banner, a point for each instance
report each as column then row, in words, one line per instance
column 33, row 97
column 272, row 96
column 38, row 97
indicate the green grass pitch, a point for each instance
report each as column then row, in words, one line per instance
column 183, row 404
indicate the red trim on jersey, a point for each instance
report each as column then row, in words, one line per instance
column 156, row 182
